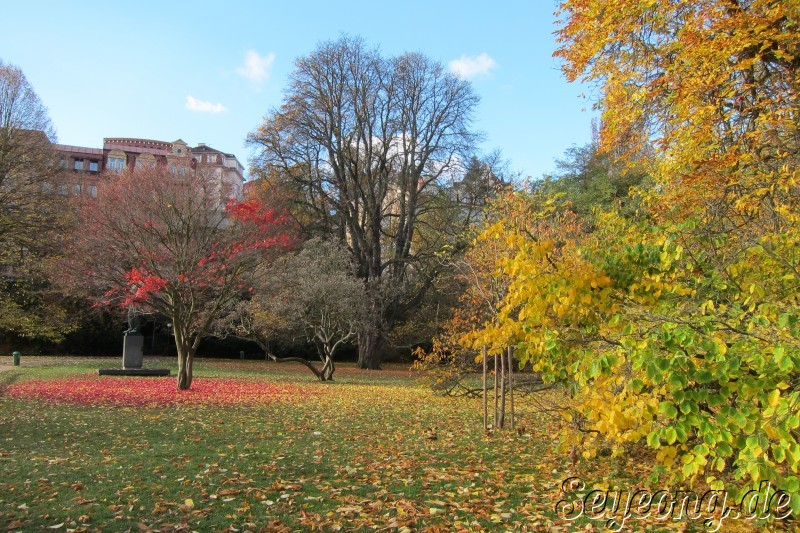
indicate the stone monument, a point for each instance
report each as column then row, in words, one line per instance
column 132, row 342
column 132, row 345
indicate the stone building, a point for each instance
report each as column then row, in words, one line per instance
column 120, row 154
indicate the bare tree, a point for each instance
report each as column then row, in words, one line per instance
column 313, row 294
column 31, row 220
column 368, row 144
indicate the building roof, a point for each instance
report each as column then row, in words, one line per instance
column 78, row 149
column 205, row 148
column 130, row 143
column 137, row 149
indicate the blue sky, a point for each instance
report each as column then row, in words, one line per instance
column 209, row 72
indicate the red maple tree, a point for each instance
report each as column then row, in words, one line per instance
column 171, row 243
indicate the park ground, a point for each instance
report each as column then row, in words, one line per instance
column 261, row 446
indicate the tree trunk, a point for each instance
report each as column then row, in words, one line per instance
column 368, row 354
column 496, row 394
column 501, row 419
column 326, row 355
column 185, row 361
column 485, row 410
column 369, row 336
column 328, row 369
column 308, row 364
column 185, row 358
column 511, row 382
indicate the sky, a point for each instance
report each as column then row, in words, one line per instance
column 208, row 72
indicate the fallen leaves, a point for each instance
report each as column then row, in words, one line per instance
column 107, row 390
column 349, row 455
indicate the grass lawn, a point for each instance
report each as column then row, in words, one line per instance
column 263, row 447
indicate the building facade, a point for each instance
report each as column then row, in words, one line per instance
column 85, row 166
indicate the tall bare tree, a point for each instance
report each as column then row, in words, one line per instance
column 368, row 143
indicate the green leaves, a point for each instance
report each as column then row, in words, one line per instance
column 676, row 352
column 668, row 409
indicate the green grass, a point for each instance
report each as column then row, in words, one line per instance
column 371, row 450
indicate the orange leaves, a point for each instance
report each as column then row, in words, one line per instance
column 711, row 85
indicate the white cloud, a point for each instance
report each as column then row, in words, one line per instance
column 193, row 104
column 469, row 67
column 256, row 68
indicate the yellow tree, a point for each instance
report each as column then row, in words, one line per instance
column 712, row 84
column 703, row 291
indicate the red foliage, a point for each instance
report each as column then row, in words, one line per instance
column 168, row 233
column 250, row 211
column 255, row 214
column 122, row 391
column 144, row 283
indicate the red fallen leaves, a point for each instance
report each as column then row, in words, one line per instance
column 107, row 390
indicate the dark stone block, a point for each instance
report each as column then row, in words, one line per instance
column 134, row 372
column 132, row 350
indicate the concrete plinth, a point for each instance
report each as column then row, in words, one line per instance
column 133, row 371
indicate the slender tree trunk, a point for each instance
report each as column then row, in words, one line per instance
column 511, row 382
column 502, row 415
column 485, row 395
column 189, row 369
column 496, row 397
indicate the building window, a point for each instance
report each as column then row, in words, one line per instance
column 76, row 189
column 62, row 190
column 78, row 165
column 145, row 160
column 93, row 166
column 93, row 191
column 47, row 187
column 116, row 163
column 211, row 158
